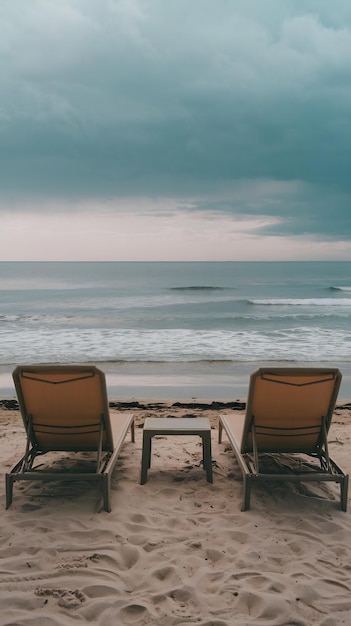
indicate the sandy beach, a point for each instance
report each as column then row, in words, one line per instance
column 177, row 550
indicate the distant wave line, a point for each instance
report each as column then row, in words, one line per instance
column 103, row 322
column 340, row 288
column 200, row 288
column 302, row 302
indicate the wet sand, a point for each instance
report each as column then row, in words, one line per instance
column 193, row 380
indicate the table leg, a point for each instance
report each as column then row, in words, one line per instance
column 146, row 456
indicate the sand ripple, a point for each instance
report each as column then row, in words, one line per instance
column 177, row 550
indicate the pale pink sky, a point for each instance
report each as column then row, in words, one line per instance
column 151, row 231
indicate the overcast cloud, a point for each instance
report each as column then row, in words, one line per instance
column 239, row 109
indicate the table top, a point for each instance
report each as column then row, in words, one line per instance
column 177, row 424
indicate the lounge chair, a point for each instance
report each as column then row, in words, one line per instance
column 288, row 415
column 65, row 408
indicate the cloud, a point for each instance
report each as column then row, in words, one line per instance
column 240, row 109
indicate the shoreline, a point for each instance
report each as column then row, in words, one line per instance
column 152, row 404
column 200, row 381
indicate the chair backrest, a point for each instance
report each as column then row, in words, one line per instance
column 63, row 406
column 288, row 407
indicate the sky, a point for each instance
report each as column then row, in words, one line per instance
column 170, row 130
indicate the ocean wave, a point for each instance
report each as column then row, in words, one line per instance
column 231, row 314
column 37, row 318
column 334, row 302
column 340, row 288
column 161, row 362
column 199, row 288
column 174, row 345
column 206, row 321
column 9, row 286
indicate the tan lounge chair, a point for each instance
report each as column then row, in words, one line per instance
column 65, row 408
column 289, row 410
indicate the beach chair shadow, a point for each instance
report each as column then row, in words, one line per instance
column 65, row 410
column 288, row 416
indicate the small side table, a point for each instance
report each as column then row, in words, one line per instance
column 176, row 426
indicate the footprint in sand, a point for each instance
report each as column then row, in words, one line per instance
column 214, row 555
column 213, row 623
column 179, row 602
column 138, row 518
column 166, row 574
column 127, row 557
column 66, row 597
column 30, row 507
column 133, row 614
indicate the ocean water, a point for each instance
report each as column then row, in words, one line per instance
column 167, row 314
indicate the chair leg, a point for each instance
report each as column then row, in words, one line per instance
column 344, row 485
column 220, row 430
column 132, row 429
column 9, row 489
column 106, row 487
column 247, row 484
